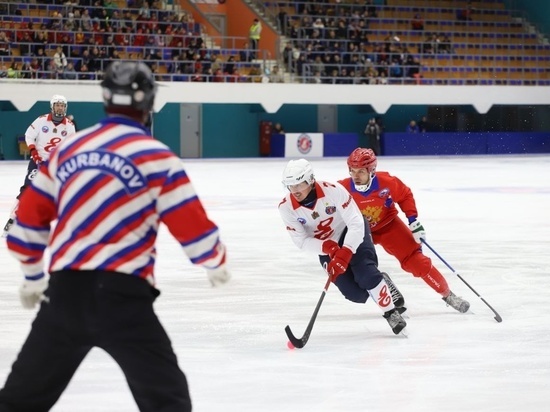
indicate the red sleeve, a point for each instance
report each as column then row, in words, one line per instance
column 402, row 195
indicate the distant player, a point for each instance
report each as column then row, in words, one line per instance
column 42, row 136
column 376, row 194
column 322, row 218
column 109, row 187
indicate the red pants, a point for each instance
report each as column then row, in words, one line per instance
column 397, row 240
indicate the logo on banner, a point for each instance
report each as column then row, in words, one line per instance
column 304, row 143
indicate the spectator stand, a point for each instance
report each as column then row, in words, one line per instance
column 160, row 40
column 466, row 51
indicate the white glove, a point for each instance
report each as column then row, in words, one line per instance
column 418, row 231
column 32, row 291
column 218, row 276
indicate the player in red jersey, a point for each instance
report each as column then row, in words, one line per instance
column 376, row 194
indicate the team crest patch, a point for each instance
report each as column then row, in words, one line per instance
column 315, row 215
column 304, row 143
column 384, row 192
column 45, row 129
column 329, row 210
column 64, row 133
column 301, row 220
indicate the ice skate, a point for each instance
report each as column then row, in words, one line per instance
column 457, row 303
column 395, row 320
column 397, row 297
column 7, row 227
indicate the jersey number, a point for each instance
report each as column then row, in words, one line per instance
column 54, row 141
column 323, row 230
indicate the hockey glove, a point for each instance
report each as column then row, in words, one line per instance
column 32, row 291
column 218, row 276
column 34, row 154
column 330, row 247
column 339, row 263
column 418, row 231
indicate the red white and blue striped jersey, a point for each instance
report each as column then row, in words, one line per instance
column 109, row 187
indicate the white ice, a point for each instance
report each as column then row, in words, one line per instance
column 488, row 217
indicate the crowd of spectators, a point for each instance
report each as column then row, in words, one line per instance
column 78, row 38
column 341, row 42
column 329, row 43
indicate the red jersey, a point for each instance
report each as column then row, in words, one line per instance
column 378, row 203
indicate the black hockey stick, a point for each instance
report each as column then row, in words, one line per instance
column 301, row 342
column 498, row 318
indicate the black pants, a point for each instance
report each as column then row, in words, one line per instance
column 362, row 273
column 32, row 171
column 108, row 310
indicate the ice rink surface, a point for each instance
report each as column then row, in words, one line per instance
column 488, row 217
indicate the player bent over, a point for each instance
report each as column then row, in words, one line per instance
column 376, row 194
column 322, row 218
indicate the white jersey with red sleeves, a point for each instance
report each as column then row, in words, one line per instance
column 109, row 187
column 327, row 218
column 45, row 135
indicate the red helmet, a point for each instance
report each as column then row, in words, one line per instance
column 362, row 158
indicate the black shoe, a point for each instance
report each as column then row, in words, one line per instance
column 396, row 296
column 395, row 320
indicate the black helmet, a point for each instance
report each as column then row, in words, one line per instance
column 129, row 85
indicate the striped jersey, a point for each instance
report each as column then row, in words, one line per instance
column 109, row 187
column 45, row 135
column 333, row 212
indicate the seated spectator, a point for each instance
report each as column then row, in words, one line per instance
column 413, row 66
column 412, row 127
column 37, row 68
column 276, row 76
column 4, row 44
column 445, row 46
column 417, row 23
column 27, row 70
column 69, row 73
column 13, row 71
column 246, row 55
column 395, row 69
column 230, row 66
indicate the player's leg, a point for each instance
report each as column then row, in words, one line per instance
column 134, row 337
column 44, row 366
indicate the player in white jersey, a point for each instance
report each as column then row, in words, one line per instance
column 322, row 218
column 109, row 187
column 43, row 136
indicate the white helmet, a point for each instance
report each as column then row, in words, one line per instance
column 57, row 98
column 298, row 171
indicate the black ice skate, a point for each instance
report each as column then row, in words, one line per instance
column 457, row 303
column 397, row 297
column 395, row 320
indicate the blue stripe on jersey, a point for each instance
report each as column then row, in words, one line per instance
column 199, row 238
column 71, row 204
column 128, row 250
column 35, row 247
column 178, row 205
column 205, row 256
